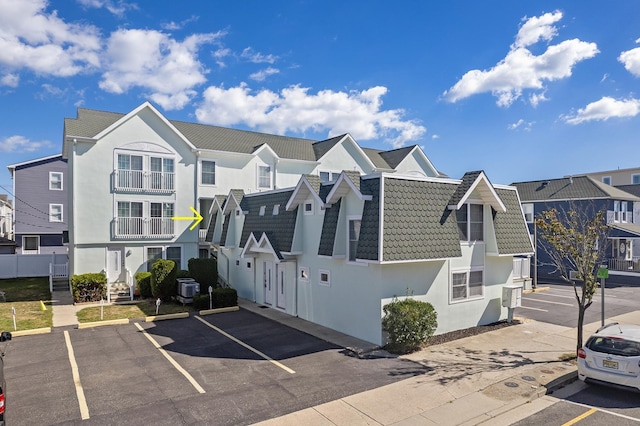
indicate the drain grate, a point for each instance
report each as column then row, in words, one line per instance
column 547, row 371
column 511, row 384
column 529, row 378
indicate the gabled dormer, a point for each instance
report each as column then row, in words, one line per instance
column 216, row 219
column 233, row 218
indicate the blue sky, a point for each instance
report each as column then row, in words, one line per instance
column 524, row 90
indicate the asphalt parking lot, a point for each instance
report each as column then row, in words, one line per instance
column 226, row 369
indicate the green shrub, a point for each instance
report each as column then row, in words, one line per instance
column 224, row 297
column 143, row 281
column 205, row 272
column 89, row 287
column 409, row 323
column 201, row 302
column 163, row 279
column 183, row 273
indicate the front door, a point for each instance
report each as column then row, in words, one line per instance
column 280, row 294
column 268, row 282
column 114, row 264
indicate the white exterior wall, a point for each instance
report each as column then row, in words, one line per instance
column 415, row 165
column 341, row 157
column 95, row 204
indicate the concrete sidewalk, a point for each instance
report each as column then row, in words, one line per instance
column 495, row 378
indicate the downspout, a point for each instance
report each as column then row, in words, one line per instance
column 197, row 195
column 70, row 201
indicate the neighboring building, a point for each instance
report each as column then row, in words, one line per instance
column 617, row 177
column 334, row 253
column 7, row 246
column 6, row 217
column 130, row 174
column 589, row 195
column 40, row 205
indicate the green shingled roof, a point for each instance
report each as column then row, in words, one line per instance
column 578, row 187
column 512, row 235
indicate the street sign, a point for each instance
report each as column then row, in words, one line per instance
column 603, row 273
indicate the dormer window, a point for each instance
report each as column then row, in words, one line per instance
column 471, row 222
column 276, row 209
column 262, row 209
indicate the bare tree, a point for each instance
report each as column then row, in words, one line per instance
column 576, row 240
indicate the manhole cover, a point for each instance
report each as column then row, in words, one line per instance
column 529, row 378
column 547, row 371
column 511, row 384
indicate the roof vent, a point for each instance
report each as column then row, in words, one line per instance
column 570, row 180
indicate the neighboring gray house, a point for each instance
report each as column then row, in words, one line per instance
column 6, row 217
column 40, row 205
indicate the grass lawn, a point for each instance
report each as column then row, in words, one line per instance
column 140, row 309
column 25, row 294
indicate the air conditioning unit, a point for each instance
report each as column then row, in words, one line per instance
column 187, row 288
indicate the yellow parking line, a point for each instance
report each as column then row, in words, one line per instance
column 580, row 417
column 241, row 343
column 84, row 408
column 173, row 362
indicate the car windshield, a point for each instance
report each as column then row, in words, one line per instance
column 614, row 346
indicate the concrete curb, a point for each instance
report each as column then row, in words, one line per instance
column 101, row 323
column 561, row 381
column 166, row 317
column 219, row 310
column 31, row 332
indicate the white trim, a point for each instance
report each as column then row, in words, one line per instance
column 200, row 171
column 12, row 167
column 36, row 251
column 303, row 181
column 61, row 181
column 304, row 207
column 351, row 218
column 51, row 214
column 325, row 283
column 259, row 167
column 333, row 195
column 466, row 271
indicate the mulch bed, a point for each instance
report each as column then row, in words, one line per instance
column 467, row 332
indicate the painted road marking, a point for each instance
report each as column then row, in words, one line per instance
column 82, row 401
column 613, row 413
column 173, row 362
column 546, row 301
column 535, row 309
column 252, row 349
column 580, row 417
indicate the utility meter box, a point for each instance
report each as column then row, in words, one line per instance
column 512, row 296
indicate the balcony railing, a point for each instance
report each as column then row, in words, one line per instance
column 521, row 267
column 142, row 181
column 138, row 227
column 202, row 235
column 623, row 265
column 619, row 217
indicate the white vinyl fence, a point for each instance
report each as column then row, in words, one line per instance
column 28, row 265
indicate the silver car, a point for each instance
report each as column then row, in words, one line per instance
column 612, row 355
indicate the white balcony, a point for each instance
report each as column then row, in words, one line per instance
column 521, row 268
column 138, row 227
column 619, row 217
column 142, row 181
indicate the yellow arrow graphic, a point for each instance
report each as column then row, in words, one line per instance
column 197, row 218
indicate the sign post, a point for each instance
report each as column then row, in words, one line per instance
column 13, row 314
column 101, row 309
column 603, row 273
column 210, row 297
column 158, row 305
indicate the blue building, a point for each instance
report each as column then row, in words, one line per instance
column 589, row 195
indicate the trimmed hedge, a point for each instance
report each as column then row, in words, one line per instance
column 409, row 323
column 221, row 298
column 182, row 273
column 143, row 281
column 205, row 272
column 163, row 279
column 89, row 287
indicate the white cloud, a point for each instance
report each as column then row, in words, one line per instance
column 521, row 69
column 154, row 61
column 605, row 109
column 118, row 8
column 296, row 110
column 20, row 144
column 220, row 54
column 525, row 125
column 631, row 60
column 256, row 57
column 536, row 98
column 11, row 80
column 263, row 74
column 31, row 38
column 172, row 26
column 434, row 136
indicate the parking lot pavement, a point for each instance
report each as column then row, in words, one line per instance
column 155, row 373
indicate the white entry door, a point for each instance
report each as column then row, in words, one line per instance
column 268, row 282
column 281, row 301
column 114, row 264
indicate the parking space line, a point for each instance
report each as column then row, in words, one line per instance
column 535, row 309
column 173, row 362
column 580, row 417
column 241, row 343
column 82, row 401
column 546, row 301
column 602, row 410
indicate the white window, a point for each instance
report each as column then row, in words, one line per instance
column 303, row 273
column 623, row 211
column 55, row 181
column 162, row 173
column 161, row 222
column 606, row 179
column 130, row 173
column 616, row 211
column 308, row 207
column 276, row 209
column 354, row 236
column 55, row 212
column 208, row 173
column 30, row 244
column 169, row 253
column 527, row 209
column 328, row 176
column 471, row 222
column 466, row 285
column 262, row 209
column 264, row 177
column 635, row 179
column 324, row 277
